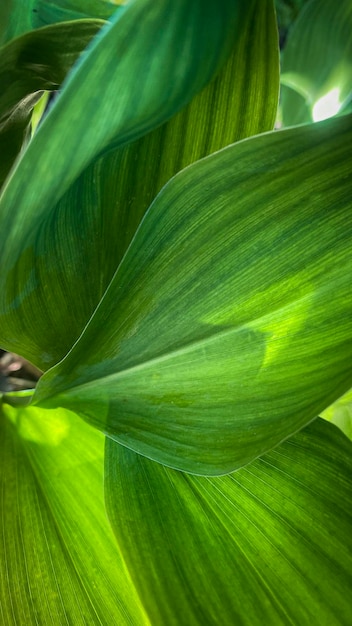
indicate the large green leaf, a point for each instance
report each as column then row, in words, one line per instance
column 88, row 231
column 269, row 544
column 317, row 62
column 36, row 61
column 138, row 83
column 59, row 563
column 214, row 340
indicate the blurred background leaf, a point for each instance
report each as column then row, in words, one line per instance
column 18, row 17
column 32, row 63
column 317, row 63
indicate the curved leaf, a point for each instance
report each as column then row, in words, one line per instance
column 36, row 61
column 152, row 85
column 214, row 341
column 59, row 563
column 317, row 63
column 89, row 230
column 269, row 544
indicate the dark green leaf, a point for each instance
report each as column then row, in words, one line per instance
column 59, row 563
column 269, row 544
column 214, row 341
column 36, row 61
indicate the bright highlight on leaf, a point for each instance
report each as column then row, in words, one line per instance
column 327, row 106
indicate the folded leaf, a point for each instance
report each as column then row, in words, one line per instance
column 87, row 233
column 317, row 63
column 36, row 61
column 214, row 341
column 269, row 544
column 59, row 563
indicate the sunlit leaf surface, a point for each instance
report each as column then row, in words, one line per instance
column 59, row 563
column 214, row 341
column 269, row 544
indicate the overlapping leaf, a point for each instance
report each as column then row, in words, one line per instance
column 59, row 563
column 87, row 233
column 317, row 63
column 18, row 17
column 36, row 61
column 269, row 544
column 214, row 340
column 156, row 85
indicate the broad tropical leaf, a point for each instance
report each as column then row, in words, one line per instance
column 213, row 342
column 317, row 63
column 269, row 544
column 59, row 563
column 89, row 230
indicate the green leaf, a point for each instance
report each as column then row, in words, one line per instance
column 89, row 230
column 317, row 62
column 340, row 413
column 36, row 61
column 48, row 12
column 18, row 17
column 156, row 84
column 59, row 563
column 269, row 544
column 214, row 341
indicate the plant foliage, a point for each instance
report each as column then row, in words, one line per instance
column 180, row 272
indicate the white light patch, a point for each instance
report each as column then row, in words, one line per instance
column 327, row 106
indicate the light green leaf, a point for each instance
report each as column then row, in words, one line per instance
column 138, row 84
column 269, row 544
column 340, row 413
column 317, row 62
column 59, row 563
column 89, row 230
column 36, row 61
column 214, row 341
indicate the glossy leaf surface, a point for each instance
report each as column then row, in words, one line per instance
column 59, row 563
column 88, row 231
column 213, row 342
column 36, row 61
column 269, row 544
column 317, row 63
